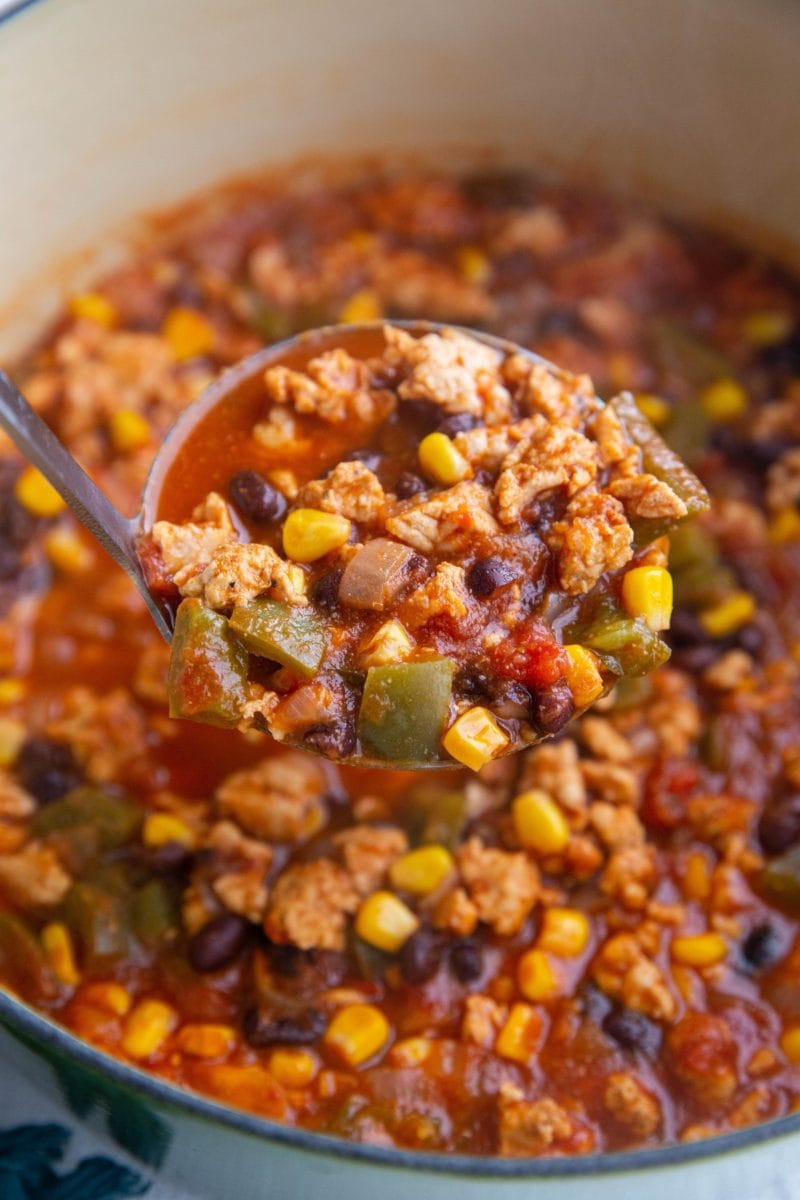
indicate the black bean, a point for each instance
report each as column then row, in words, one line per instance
column 255, row 497
column 466, row 960
column 510, row 700
column 370, row 458
column 751, row 638
column 422, row 413
column 421, row 955
column 325, row 592
column 632, row 1030
column 695, row 659
column 783, row 358
column 409, row 485
column 595, row 1004
column 779, row 827
column 686, row 630
column 761, row 947
column 168, row 859
column 283, row 1029
column 754, row 454
column 47, row 769
column 218, row 942
column 487, row 575
column 552, row 706
column 474, row 681
column 334, row 739
column 560, row 322
column 457, row 423
column 309, row 970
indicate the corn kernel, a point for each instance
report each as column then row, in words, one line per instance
column 564, row 931
column 539, row 823
column 521, row 1035
column 92, row 306
column 389, row 644
column 309, row 534
column 785, row 526
column 110, row 997
column 67, row 551
column 206, row 1041
column 656, row 409
column 160, row 828
column 147, row 1027
column 473, row 264
column 12, row 691
column 697, row 877
column 410, row 1052
column 357, row 1033
column 699, row 949
column 12, row 735
column 536, row 978
column 790, row 1043
column 441, row 461
column 37, row 495
column 297, row 578
column 724, row 400
column 293, row 1068
column 647, row 593
column 474, row 738
column 128, row 430
column 188, row 333
column 767, row 328
column 583, row 675
column 57, row 943
column 362, row 306
column 421, row 871
column 385, row 921
column 729, row 615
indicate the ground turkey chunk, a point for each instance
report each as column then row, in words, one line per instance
column 631, row 1104
column 368, row 851
column 452, row 370
column 594, row 537
column 310, row 904
column 281, row 799
column 554, row 456
column 504, row 887
column 33, row 877
column 334, row 387
column 649, row 498
column 444, row 594
column 447, row 523
column 187, row 549
column 530, row 1127
column 623, row 971
column 351, row 490
column 238, row 573
column 244, row 862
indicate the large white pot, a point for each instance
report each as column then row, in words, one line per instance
column 109, row 108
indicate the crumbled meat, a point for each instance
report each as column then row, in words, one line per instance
column 730, row 671
column 334, row 387
column 631, row 1104
column 279, row 799
column 704, row 1052
column 594, row 537
column 482, row 1020
column 552, row 457
column 555, row 768
column 649, row 498
column 351, row 490
column 559, row 396
column 485, row 447
column 444, row 594
column 33, row 877
column 278, row 431
column 629, row 876
column 616, row 448
column 451, row 369
column 604, row 741
column 187, row 549
column 623, row 971
column 238, row 573
column 410, row 282
column 240, row 884
column 448, row 522
column 368, row 851
column 783, row 481
column 541, row 230
column 152, row 668
column 503, row 887
column 15, row 803
column 531, row 1127
column 456, row 913
column 108, row 734
column 309, row 906
column 618, row 826
column 612, row 781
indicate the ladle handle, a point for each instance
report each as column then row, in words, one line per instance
column 40, row 445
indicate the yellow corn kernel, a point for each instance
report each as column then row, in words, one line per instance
column 767, row 328
column 521, row 1035
column 785, row 526
column 583, row 675
column 697, row 877
column 656, row 409
column 37, row 495
column 206, row 1041
column 362, row 306
column 67, row 551
column 536, row 978
column 474, row 738
column 724, row 400
column 647, row 593
column 188, row 333
column 699, row 949
column 473, row 264
column 57, row 943
column 790, row 1043
column 421, row 871
column 729, row 615
column 385, row 921
column 389, row 644
column 92, row 306
column 293, row 1068
column 12, row 691
column 12, row 735
column 539, row 823
column 441, row 460
column 297, row 578
column 110, row 997
column 410, row 1052
column 357, row 1033
column 160, row 828
column 309, row 534
column 128, row 430
column 147, row 1027
column 564, row 931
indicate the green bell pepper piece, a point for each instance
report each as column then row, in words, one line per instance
column 626, row 645
column 97, row 921
column 435, row 815
column 23, row 963
column 110, row 820
column 291, row 636
column 207, row 668
column 404, row 709
column 154, row 913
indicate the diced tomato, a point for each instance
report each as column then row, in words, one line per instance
column 667, row 791
column 158, row 581
column 530, row 655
